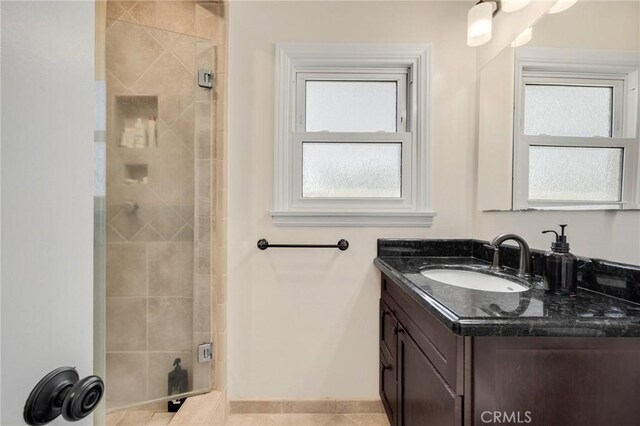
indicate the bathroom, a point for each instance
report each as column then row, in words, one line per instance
column 186, row 132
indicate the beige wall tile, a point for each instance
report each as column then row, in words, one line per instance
column 221, row 233
column 170, row 324
column 113, row 236
column 168, row 222
column 170, row 269
column 221, row 175
column 172, row 82
column 176, row 16
column 185, row 234
column 130, row 51
column 185, row 49
column 127, row 224
column 164, row 37
column 221, row 288
column 126, row 324
column 205, row 22
column 203, row 245
column 220, row 317
column 204, row 131
column 202, row 303
column 184, row 128
column 148, row 234
column 165, row 168
column 160, row 364
column 126, row 378
column 221, row 203
column 204, row 186
column 126, row 270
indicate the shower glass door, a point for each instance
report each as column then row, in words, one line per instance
column 158, row 214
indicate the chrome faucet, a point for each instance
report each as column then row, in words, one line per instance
column 525, row 252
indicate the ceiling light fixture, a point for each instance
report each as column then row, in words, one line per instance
column 514, row 5
column 479, row 24
column 561, row 6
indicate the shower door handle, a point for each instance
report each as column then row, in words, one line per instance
column 62, row 392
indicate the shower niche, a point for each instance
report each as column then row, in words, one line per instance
column 135, row 121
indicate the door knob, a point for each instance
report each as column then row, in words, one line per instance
column 62, row 392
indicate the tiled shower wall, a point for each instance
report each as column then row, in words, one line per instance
column 161, row 296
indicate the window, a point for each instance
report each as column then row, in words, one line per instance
column 573, row 142
column 352, row 136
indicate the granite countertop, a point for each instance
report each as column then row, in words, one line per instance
column 481, row 313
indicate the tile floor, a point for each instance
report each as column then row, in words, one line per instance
column 138, row 418
column 308, row 419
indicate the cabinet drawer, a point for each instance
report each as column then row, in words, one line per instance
column 443, row 348
column 389, row 388
column 388, row 331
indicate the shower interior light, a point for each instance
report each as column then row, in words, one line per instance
column 479, row 23
column 514, row 5
column 523, row 38
column 561, row 6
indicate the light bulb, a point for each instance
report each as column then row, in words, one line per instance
column 561, row 6
column 523, row 38
column 513, row 5
column 479, row 24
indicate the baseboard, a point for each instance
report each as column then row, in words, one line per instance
column 306, row 406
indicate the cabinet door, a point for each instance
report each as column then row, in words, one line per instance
column 425, row 398
column 389, row 388
column 388, row 332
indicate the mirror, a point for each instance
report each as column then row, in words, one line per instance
column 559, row 113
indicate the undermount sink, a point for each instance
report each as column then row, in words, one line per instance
column 474, row 280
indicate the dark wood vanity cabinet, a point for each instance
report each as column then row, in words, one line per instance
column 431, row 377
column 414, row 368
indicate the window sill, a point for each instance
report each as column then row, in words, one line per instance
column 353, row 219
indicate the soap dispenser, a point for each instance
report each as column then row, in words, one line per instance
column 560, row 268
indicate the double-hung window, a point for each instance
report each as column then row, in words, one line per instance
column 352, row 136
column 575, row 131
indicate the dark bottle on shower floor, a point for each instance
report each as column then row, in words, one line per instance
column 560, row 268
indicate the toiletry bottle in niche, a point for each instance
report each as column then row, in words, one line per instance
column 152, row 132
column 560, row 267
column 140, row 140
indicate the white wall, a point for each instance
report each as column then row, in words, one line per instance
column 46, row 195
column 304, row 323
column 610, row 235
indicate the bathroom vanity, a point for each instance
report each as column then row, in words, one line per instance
column 452, row 355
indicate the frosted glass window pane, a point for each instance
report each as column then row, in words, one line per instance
column 351, row 106
column 568, row 110
column 351, row 169
column 575, row 174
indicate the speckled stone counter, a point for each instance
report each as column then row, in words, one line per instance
column 531, row 313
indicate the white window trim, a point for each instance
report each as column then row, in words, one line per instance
column 538, row 63
column 414, row 207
